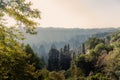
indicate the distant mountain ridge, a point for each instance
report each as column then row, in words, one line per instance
column 61, row 36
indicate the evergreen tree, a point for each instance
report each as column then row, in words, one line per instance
column 53, row 60
column 83, row 48
column 65, row 48
column 65, row 58
column 33, row 58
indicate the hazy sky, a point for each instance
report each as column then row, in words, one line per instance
column 79, row 13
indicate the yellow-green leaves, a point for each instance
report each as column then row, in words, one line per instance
column 20, row 11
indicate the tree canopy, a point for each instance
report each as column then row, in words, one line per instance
column 14, row 63
column 21, row 12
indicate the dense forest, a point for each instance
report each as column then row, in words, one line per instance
column 97, row 59
column 61, row 36
column 46, row 37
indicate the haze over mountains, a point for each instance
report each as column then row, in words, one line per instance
column 46, row 37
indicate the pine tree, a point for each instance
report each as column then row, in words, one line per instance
column 53, row 60
column 65, row 58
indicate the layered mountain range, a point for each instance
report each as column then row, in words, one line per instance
column 46, row 37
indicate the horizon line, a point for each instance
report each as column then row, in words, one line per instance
column 80, row 28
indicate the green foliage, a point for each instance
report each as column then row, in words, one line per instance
column 56, row 75
column 83, row 62
column 74, row 73
column 92, row 42
column 112, row 68
column 106, row 58
column 21, row 63
column 59, row 60
column 65, row 58
column 33, row 58
column 53, row 61
column 14, row 63
column 115, row 36
column 98, row 76
column 99, row 50
column 44, row 74
column 29, row 50
column 20, row 11
column 115, row 39
column 100, row 47
column 15, row 66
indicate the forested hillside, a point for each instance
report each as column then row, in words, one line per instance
column 100, row 60
column 96, row 58
column 46, row 37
